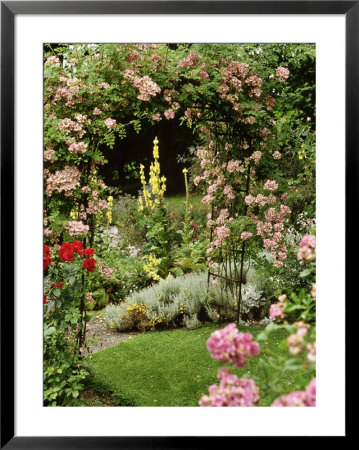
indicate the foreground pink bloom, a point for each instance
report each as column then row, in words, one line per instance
column 232, row 391
column 299, row 398
column 307, row 247
column 275, row 310
column 229, row 345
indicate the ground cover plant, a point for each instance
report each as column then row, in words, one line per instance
column 179, row 202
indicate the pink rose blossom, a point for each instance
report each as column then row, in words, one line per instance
column 229, row 345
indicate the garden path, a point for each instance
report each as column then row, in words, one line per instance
column 99, row 336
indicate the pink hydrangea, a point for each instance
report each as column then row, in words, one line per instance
column 275, row 310
column 232, row 391
column 307, row 247
column 282, row 73
column 230, row 345
column 299, row 398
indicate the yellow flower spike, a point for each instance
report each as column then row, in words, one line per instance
column 152, row 197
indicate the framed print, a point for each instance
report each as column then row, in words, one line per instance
column 176, row 183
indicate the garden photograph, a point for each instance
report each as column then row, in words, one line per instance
column 179, row 225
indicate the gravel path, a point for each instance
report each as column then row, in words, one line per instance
column 99, row 336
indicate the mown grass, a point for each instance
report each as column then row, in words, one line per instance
column 177, row 203
column 174, row 368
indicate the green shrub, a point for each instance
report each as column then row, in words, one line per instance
column 183, row 301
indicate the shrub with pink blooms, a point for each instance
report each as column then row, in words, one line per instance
column 231, row 346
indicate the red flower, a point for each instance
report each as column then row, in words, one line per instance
column 66, row 252
column 88, row 251
column 77, row 247
column 59, row 285
column 45, row 299
column 47, row 260
column 46, row 249
column 89, row 264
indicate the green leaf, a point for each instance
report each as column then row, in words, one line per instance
column 293, row 364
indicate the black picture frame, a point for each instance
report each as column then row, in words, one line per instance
column 9, row 10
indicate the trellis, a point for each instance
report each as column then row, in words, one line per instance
column 232, row 257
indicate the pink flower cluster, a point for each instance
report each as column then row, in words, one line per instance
column 234, row 166
column 65, row 180
column 270, row 185
column 95, row 206
column 228, row 191
column 52, row 60
column 77, row 228
column 307, row 248
column 189, row 61
column 221, row 234
column 295, row 340
column 104, row 270
column 69, row 92
column 169, row 114
column 68, row 126
column 299, row 398
column 103, row 85
column 276, row 309
column 256, row 156
column 232, row 391
column 282, row 73
column 246, row 235
column 270, row 102
column 231, row 346
column 110, row 123
column 49, row 155
column 77, row 147
column 146, row 86
column 277, row 155
column 312, row 354
column 271, row 233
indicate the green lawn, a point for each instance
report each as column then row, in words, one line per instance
column 177, row 203
column 174, row 368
